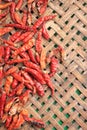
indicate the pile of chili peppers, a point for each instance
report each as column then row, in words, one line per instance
column 23, row 60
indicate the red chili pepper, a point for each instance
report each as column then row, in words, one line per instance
column 22, row 36
column 27, row 77
column 33, row 66
column 44, row 32
column 14, row 83
column 39, row 123
column 48, row 81
column 2, row 53
column 37, row 56
column 43, row 7
column 8, row 121
column 8, row 83
column 39, row 88
column 17, row 18
column 8, row 43
column 24, row 48
column 19, row 89
column 15, row 36
column 27, row 38
column 9, row 103
column 37, row 75
column 3, row 15
column 38, row 42
column 17, row 77
column 24, row 55
column 28, row 86
column 25, row 96
column 13, row 123
column 19, row 4
column 1, row 73
column 16, row 61
column 12, row 10
column 5, row 30
column 7, row 53
column 27, row 28
column 53, row 66
column 11, row 70
column 3, row 6
column 24, row 18
column 2, row 103
column 31, row 56
column 49, row 17
column 29, row 18
column 38, row 23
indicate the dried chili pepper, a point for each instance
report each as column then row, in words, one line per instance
column 8, row 121
column 19, row 89
column 12, row 10
column 39, row 123
column 3, row 15
column 31, row 56
column 38, row 42
column 15, row 36
column 24, row 55
column 16, row 61
column 48, row 81
column 17, row 77
column 17, row 18
column 1, row 73
column 27, row 77
column 12, row 124
column 25, row 96
column 19, row 4
column 39, row 88
column 13, row 109
column 3, row 6
column 14, row 84
column 43, row 59
column 27, row 38
column 24, row 48
column 44, row 32
column 24, row 18
column 11, row 70
column 2, row 103
column 7, row 53
column 37, row 75
column 37, row 56
column 33, row 66
column 5, row 30
column 8, row 83
column 9, row 103
column 2, row 53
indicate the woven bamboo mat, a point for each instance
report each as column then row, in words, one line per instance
column 67, row 109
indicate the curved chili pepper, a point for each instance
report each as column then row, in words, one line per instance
column 44, row 32
column 31, row 56
column 39, row 88
column 43, row 59
column 1, row 73
column 3, row 15
column 19, row 89
column 7, row 53
column 11, row 70
column 28, row 86
column 37, row 75
column 17, row 77
column 27, row 77
column 53, row 66
column 27, row 38
column 38, row 42
column 13, row 109
column 19, row 4
column 16, row 61
column 33, row 66
column 25, row 96
column 48, row 81
column 15, row 36
column 2, row 103
column 3, row 6
column 5, row 30
column 39, row 123
column 24, row 48
column 12, row 10
column 22, row 36
column 17, row 18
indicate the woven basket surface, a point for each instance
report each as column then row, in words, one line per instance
column 67, row 109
